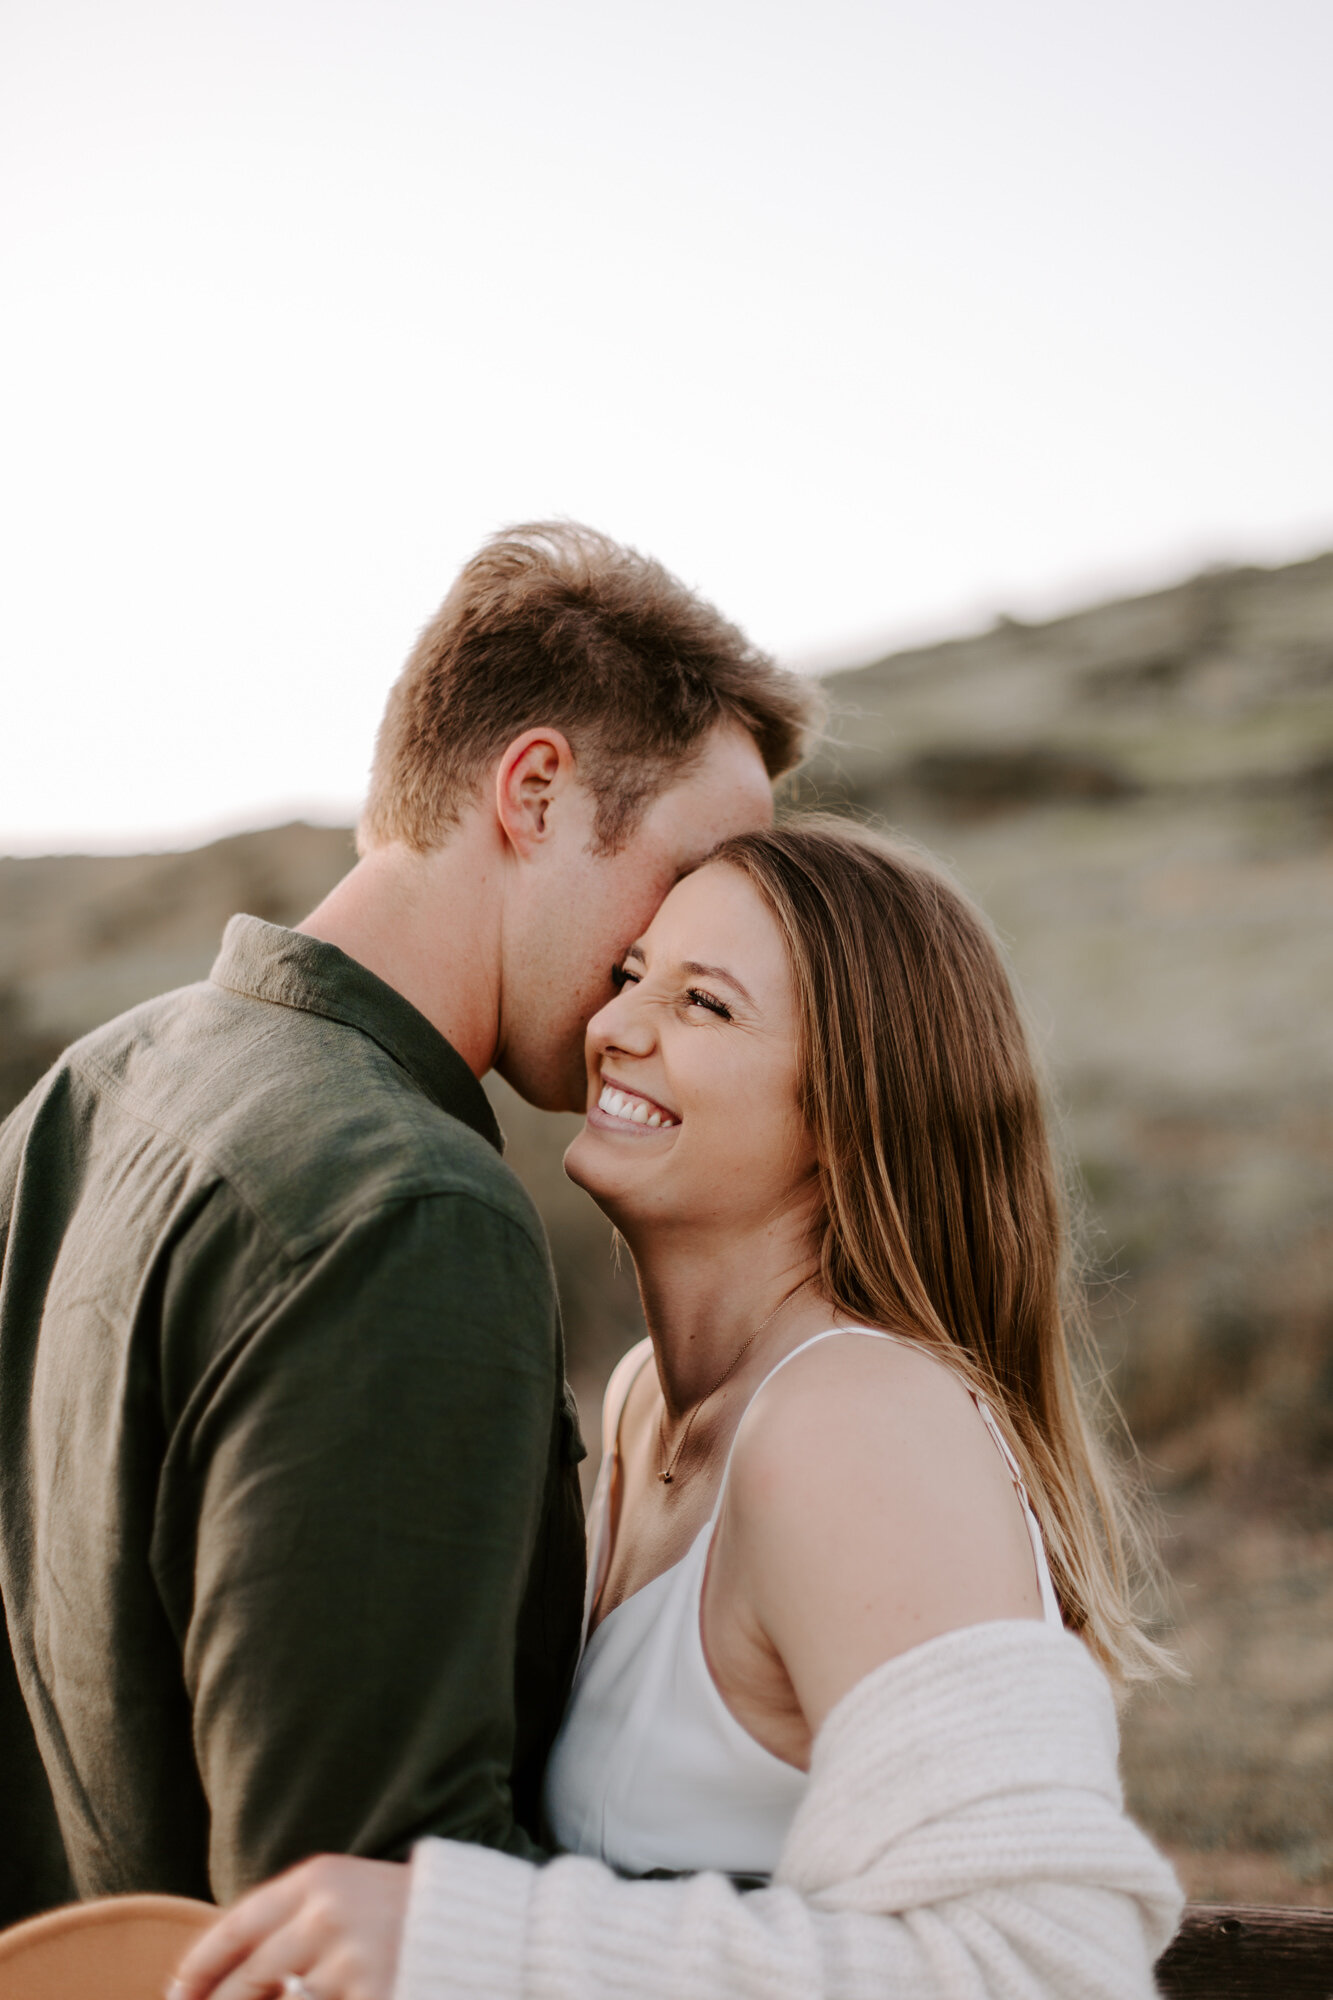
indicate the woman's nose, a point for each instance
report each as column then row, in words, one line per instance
column 622, row 1024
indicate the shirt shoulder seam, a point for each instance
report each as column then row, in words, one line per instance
column 300, row 1247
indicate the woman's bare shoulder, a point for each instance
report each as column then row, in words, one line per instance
column 861, row 1387
column 870, row 1509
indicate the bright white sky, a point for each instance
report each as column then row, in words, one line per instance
column 870, row 317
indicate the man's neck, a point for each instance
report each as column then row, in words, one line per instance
column 429, row 926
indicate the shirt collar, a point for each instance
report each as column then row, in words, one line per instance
column 290, row 969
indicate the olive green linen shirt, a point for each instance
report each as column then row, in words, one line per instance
column 291, row 1546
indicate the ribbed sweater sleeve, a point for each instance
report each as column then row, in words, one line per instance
column 962, row 1838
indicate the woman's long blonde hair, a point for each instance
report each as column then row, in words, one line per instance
column 944, row 1217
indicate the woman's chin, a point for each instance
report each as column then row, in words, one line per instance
column 600, row 1170
column 587, row 1165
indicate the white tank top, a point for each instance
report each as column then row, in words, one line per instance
column 651, row 1770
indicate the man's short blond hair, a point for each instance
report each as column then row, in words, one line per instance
column 552, row 624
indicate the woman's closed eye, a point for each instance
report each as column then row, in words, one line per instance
column 693, row 996
column 698, row 998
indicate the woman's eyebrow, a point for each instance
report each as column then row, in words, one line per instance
column 716, row 972
column 698, row 971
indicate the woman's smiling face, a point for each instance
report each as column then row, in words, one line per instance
column 692, row 1070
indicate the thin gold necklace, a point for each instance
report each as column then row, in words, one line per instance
column 667, row 1472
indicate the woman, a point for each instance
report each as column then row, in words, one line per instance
column 854, row 1547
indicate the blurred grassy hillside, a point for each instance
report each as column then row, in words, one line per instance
column 1141, row 795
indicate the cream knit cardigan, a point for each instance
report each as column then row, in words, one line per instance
column 961, row 1838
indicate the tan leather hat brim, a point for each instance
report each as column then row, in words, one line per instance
column 119, row 1948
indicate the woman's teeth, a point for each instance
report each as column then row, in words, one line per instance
column 619, row 1104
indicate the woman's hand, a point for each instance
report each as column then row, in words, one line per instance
column 333, row 1924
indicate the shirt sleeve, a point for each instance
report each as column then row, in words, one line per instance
column 366, row 1463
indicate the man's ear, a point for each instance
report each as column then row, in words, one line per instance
column 536, row 768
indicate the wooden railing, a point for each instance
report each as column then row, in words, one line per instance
column 1235, row 1952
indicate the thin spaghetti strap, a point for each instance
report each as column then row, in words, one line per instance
column 989, row 1419
column 623, row 1377
column 1050, row 1603
column 829, row 1332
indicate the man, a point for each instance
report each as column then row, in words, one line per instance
column 290, row 1544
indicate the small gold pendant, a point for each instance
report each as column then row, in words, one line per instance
column 665, row 1478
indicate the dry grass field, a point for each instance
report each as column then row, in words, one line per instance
column 1141, row 795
